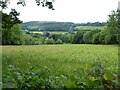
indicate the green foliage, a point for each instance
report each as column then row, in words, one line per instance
column 32, row 40
column 118, row 21
column 110, row 39
column 59, row 41
column 66, row 38
column 108, row 75
column 29, row 39
column 25, row 80
column 78, row 37
column 3, row 4
column 95, row 39
column 108, row 35
column 13, row 36
column 89, row 28
column 11, row 33
column 88, row 36
column 113, row 27
column 49, row 41
column 102, row 36
column 10, row 20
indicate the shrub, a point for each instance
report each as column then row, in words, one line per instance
column 95, row 39
column 78, row 38
column 102, row 36
column 49, row 41
column 59, row 41
column 88, row 36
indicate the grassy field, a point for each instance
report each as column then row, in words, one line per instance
column 58, row 32
column 49, row 32
column 78, row 27
column 62, row 65
column 37, row 32
column 90, row 27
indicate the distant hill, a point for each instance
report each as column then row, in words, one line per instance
column 50, row 26
column 47, row 26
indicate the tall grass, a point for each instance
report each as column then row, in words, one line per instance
column 65, row 65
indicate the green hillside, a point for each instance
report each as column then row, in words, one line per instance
column 90, row 27
column 47, row 26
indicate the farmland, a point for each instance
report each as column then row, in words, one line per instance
column 90, row 27
column 59, row 66
column 42, row 33
column 78, row 28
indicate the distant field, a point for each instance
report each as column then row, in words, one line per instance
column 90, row 27
column 49, row 32
column 58, row 32
column 64, row 64
column 37, row 32
column 82, row 28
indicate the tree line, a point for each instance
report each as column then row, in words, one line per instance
column 92, row 24
column 16, row 36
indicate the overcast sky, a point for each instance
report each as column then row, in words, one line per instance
column 77, row 11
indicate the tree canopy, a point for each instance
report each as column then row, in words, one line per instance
column 8, row 20
column 44, row 3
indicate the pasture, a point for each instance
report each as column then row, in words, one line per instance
column 60, row 66
column 51, row 32
column 90, row 27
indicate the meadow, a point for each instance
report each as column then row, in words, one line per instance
column 60, row 66
column 51, row 32
column 90, row 27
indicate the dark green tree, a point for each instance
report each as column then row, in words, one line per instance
column 111, row 33
column 112, row 29
column 95, row 39
column 59, row 41
column 9, row 29
column 88, row 36
column 102, row 35
column 49, row 41
column 78, row 37
column 13, row 36
column 118, row 27
column 8, row 20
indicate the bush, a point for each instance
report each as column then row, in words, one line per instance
column 95, row 39
column 49, row 41
column 78, row 38
column 96, row 77
column 13, row 36
column 29, row 40
column 59, row 41
column 102, row 36
column 88, row 36
column 110, row 39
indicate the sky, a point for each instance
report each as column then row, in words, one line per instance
column 77, row 11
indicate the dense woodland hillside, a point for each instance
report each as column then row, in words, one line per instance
column 47, row 26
